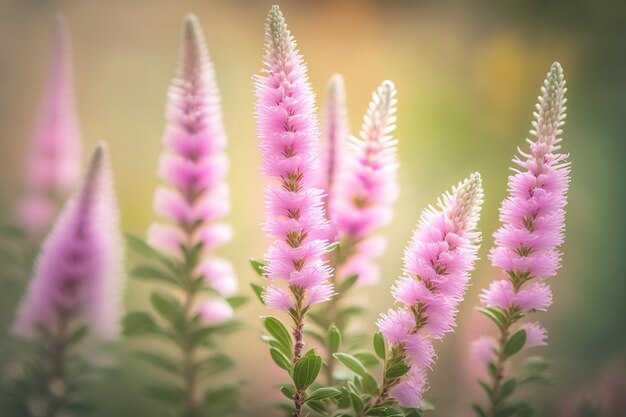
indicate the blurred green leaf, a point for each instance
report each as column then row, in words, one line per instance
column 333, row 339
column 237, row 300
column 323, row 393
column 138, row 323
column 166, row 305
column 149, row 273
column 160, row 361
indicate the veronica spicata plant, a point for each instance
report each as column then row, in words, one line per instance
column 526, row 249
column 295, row 263
column 72, row 306
column 360, row 200
column 196, row 301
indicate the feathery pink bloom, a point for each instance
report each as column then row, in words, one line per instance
column 79, row 272
column 53, row 164
column 410, row 391
column 335, row 133
column 366, row 187
column 536, row 335
column 194, row 165
column 437, row 263
column 215, row 311
column 533, row 215
column 287, row 129
column 483, row 350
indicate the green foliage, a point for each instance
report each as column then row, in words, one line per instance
column 514, row 344
column 305, row 371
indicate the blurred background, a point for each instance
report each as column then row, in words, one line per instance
column 468, row 75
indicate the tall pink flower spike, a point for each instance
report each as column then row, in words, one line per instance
column 437, row 264
column 53, row 159
column 289, row 137
column 194, row 167
column 533, row 215
column 335, row 134
column 79, row 274
column 367, row 188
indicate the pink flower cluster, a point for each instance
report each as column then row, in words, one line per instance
column 367, row 188
column 79, row 273
column 194, row 167
column 53, row 164
column 437, row 263
column 533, row 215
column 288, row 133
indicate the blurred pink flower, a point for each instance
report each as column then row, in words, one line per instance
column 215, row 311
column 536, row 335
column 366, row 187
column 288, row 134
column 53, row 161
column 482, row 350
column 194, row 165
column 79, row 273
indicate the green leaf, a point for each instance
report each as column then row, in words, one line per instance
column 534, row 365
column 379, row 345
column 306, row 370
column 366, row 358
column 357, row 403
column 323, row 393
column 426, row 406
column 478, row 409
column 138, row 323
column 347, row 283
column 150, row 273
column 507, row 388
column 278, row 331
column 258, row 291
column 333, row 339
column 396, row 370
column 160, row 361
column 258, row 266
column 170, row 394
column 167, row 306
column 280, row 359
column 225, row 394
column 351, row 363
column 78, row 335
column 506, row 412
column 486, row 388
column 496, row 315
column 215, row 364
column 317, row 406
column 237, row 300
column 333, row 246
column 288, row 391
column 515, row 343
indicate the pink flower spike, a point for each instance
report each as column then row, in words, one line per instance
column 367, row 187
column 194, row 165
column 53, row 161
column 287, row 129
column 80, row 271
column 437, row 263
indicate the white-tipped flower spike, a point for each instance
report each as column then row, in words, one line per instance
column 194, row 164
column 367, row 188
column 53, row 160
column 79, row 274
column 287, row 128
column 335, row 134
column 437, row 265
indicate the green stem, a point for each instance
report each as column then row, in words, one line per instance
column 498, row 374
column 58, row 365
column 298, row 347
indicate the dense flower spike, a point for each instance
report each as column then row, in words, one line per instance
column 335, row 132
column 194, row 165
column 289, row 138
column 53, row 164
column 79, row 273
column 437, row 263
column 367, row 188
column 526, row 245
